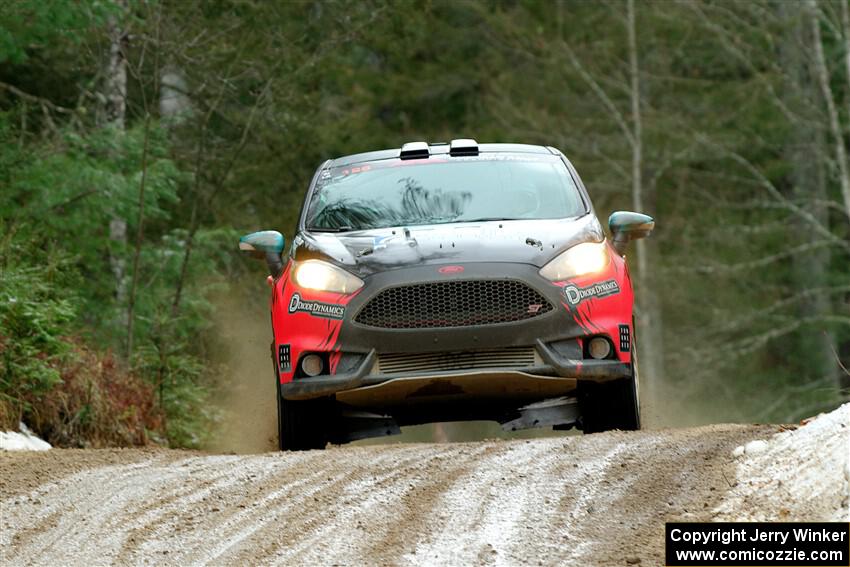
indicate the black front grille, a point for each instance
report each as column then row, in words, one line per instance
column 453, row 304
column 501, row 358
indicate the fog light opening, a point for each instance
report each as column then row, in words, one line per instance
column 599, row 348
column 312, row 365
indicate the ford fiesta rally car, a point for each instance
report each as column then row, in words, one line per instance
column 449, row 282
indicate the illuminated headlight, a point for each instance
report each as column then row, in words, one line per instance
column 319, row 275
column 580, row 260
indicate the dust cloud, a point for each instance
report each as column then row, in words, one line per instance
column 247, row 403
column 670, row 408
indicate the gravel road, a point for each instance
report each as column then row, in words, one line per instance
column 594, row 500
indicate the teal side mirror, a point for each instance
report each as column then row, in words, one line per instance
column 627, row 226
column 266, row 244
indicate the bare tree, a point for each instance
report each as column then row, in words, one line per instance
column 836, row 131
column 804, row 150
column 112, row 113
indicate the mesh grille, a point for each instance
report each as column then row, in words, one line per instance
column 453, row 304
column 509, row 357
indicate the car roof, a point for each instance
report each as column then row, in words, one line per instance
column 439, row 149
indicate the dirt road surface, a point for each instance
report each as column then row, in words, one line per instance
column 595, row 500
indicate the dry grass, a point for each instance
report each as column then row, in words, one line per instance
column 97, row 404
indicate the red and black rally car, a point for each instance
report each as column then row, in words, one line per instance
column 450, row 282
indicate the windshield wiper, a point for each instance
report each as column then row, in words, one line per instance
column 329, row 228
column 486, row 219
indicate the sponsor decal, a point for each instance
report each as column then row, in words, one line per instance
column 316, row 308
column 451, row 269
column 356, row 170
column 576, row 295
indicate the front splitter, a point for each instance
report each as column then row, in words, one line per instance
column 446, row 388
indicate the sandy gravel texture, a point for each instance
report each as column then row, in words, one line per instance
column 595, row 500
column 23, row 472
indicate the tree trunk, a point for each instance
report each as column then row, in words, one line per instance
column 131, row 303
column 648, row 309
column 804, row 150
column 845, row 30
column 173, row 101
column 115, row 83
column 112, row 112
column 822, row 74
column 816, row 344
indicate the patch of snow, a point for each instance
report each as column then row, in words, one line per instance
column 752, row 448
column 801, row 474
column 25, row 440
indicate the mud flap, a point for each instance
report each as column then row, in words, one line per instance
column 560, row 413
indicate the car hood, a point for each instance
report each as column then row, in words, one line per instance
column 365, row 252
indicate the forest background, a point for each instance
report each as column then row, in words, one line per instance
column 139, row 139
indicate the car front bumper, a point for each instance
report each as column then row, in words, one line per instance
column 557, row 371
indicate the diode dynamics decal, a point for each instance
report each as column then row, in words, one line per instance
column 316, row 308
column 576, row 295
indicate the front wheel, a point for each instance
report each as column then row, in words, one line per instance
column 614, row 404
column 302, row 425
column 610, row 405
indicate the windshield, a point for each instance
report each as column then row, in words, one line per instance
column 443, row 190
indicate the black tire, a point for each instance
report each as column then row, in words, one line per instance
column 301, row 425
column 609, row 405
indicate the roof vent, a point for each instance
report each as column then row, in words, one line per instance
column 415, row 150
column 463, row 147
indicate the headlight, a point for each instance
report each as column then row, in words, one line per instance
column 315, row 274
column 579, row 260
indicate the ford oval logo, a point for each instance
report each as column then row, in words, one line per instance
column 451, row 269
